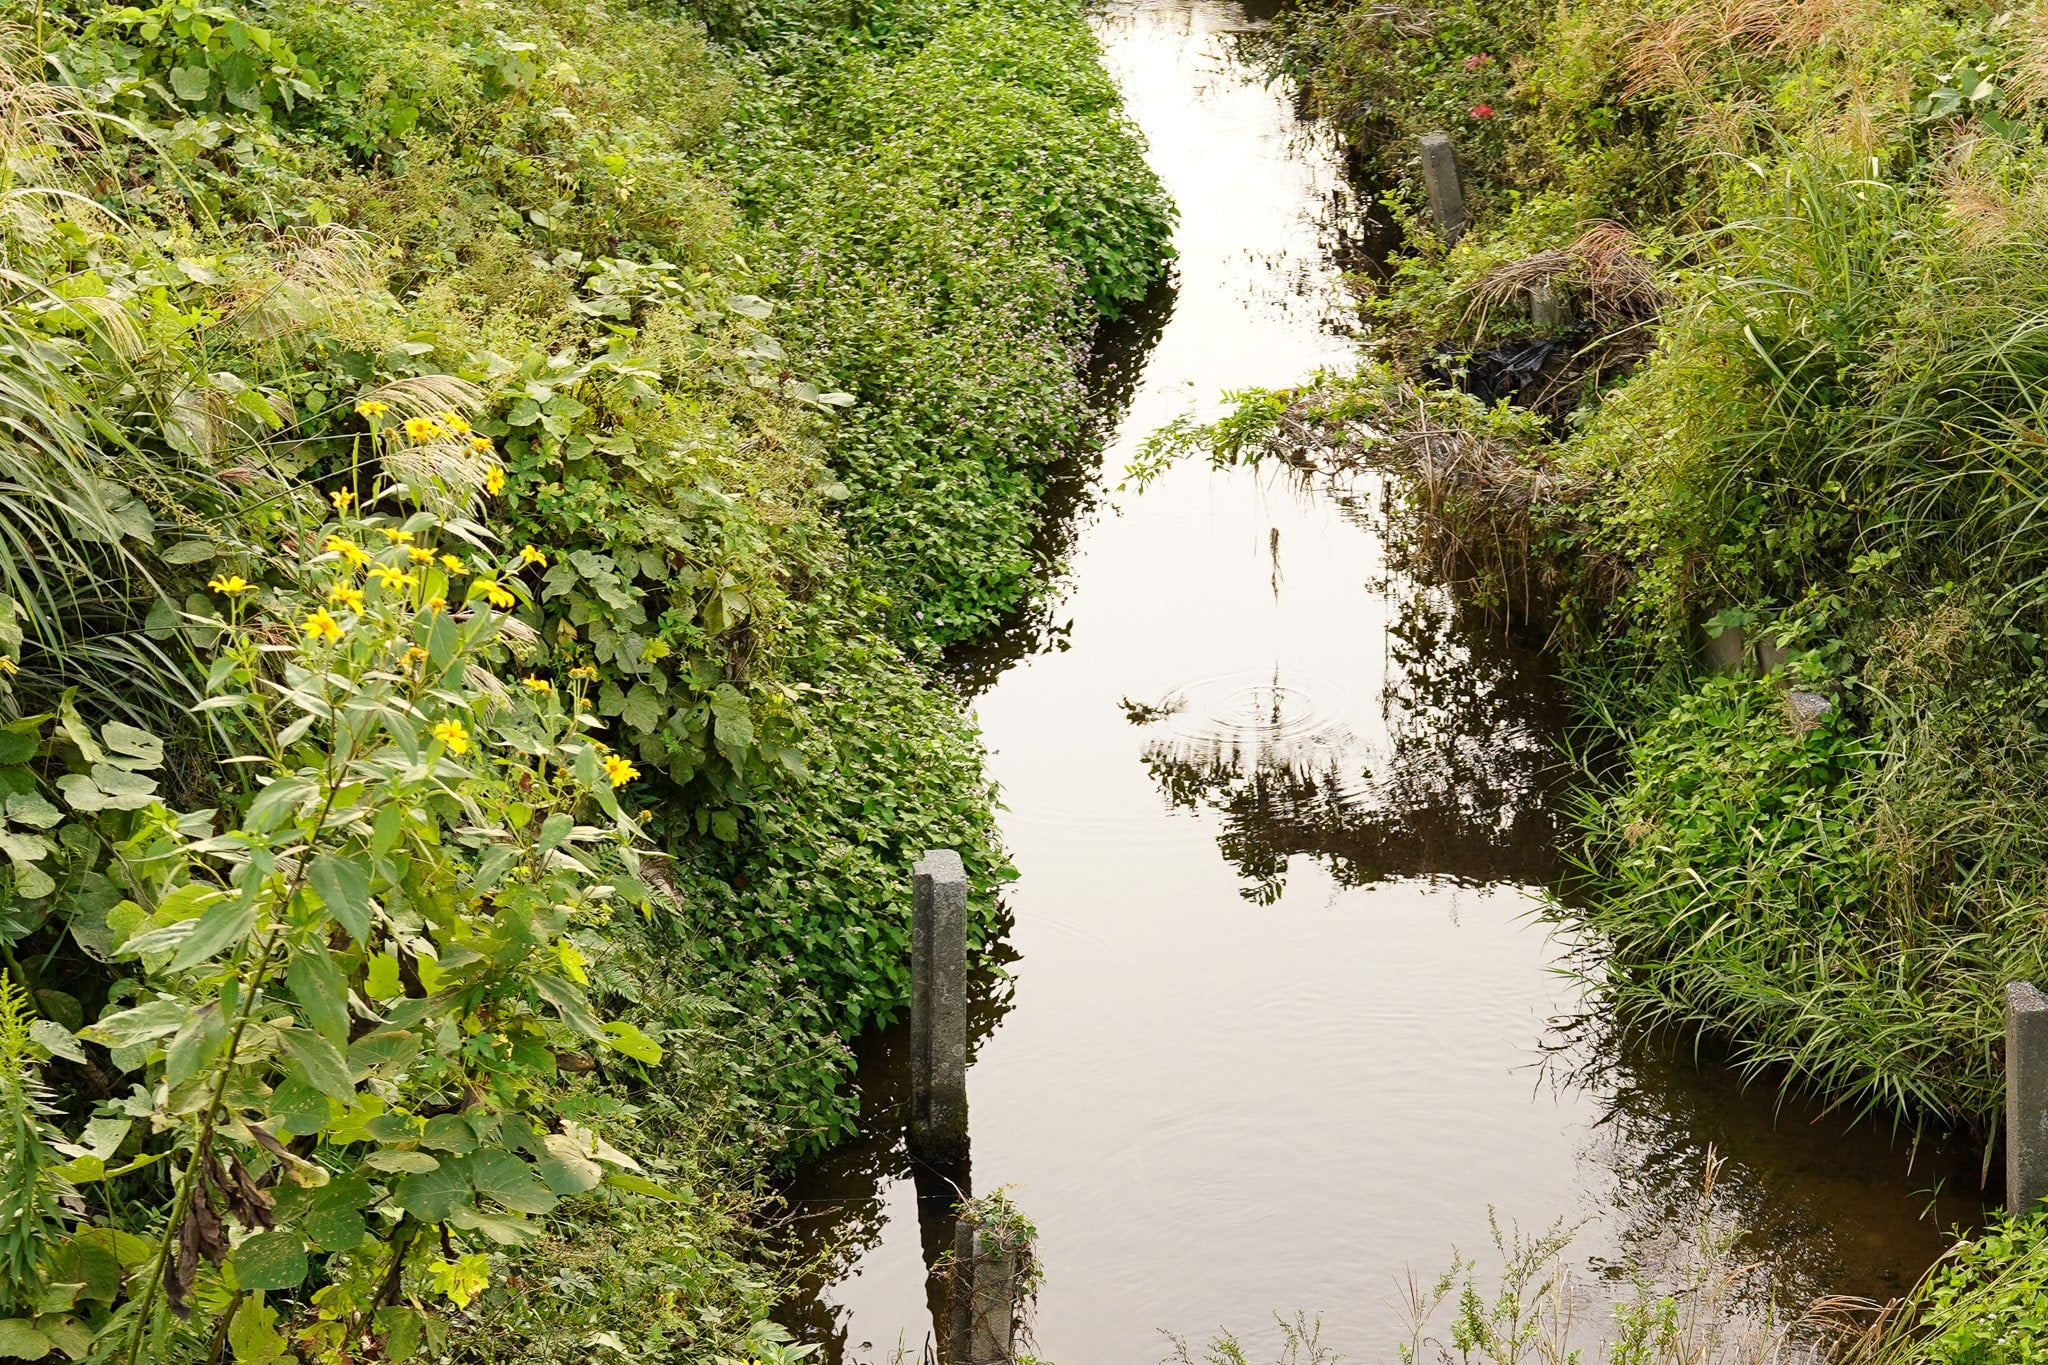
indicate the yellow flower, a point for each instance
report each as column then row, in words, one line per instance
column 234, row 585
column 321, row 626
column 341, row 498
column 494, row 480
column 396, row 537
column 587, row 672
column 419, row 556
column 540, row 685
column 412, row 656
column 480, row 444
column 494, row 592
column 370, row 407
column 393, row 579
column 7, row 668
column 619, row 770
column 453, row 565
column 454, row 422
column 420, row 430
column 451, row 733
column 342, row 595
column 347, row 549
column 529, row 555
column 436, row 603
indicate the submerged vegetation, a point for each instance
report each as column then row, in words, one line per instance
column 484, row 486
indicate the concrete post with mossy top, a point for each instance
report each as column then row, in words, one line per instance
column 990, row 1268
column 938, row 1009
column 1446, row 186
column 2026, row 1096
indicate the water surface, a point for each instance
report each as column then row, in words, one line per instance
column 1280, row 1015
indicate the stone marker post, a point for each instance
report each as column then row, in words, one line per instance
column 985, row 1275
column 1549, row 309
column 1446, row 186
column 2026, row 1096
column 938, row 1009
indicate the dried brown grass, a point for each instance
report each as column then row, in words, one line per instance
column 1684, row 50
column 1604, row 269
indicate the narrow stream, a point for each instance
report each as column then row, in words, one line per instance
column 1281, row 1023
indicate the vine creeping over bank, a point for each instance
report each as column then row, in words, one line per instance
column 484, row 485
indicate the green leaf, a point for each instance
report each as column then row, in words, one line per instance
column 638, row 1184
column 91, row 1266
column 382, row 982
column 225, row 923
column 401, row 1162
column 316, row 984
column 19, row 1340
column 568, row 1169
column 400, row 1327
column 191, row 83
column 191, row 552
column 56, row 1040
column 271, row 1260
column 502, row 1176
column 504, row 1231
column 29, row 808
column 253, row 1334
column 19, row 741
column 626, row 1038
column 142, row 1024
column 432, row 1195
column 343, row 885
column 276, row 802
column 320, row 1062
column 137, row 748
column 384, row 1051
column 196, row 1045
column 568, row 1002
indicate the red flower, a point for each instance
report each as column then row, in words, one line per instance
column 1477, row 60
column 1482, row 111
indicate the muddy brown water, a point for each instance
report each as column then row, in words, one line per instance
column 1282, row 1026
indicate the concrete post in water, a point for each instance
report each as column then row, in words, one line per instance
column 938, row 1009
column 2026, row 1096
column 1446, row 186
column 986, row 1275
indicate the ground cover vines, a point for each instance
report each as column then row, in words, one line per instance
column 485, row 486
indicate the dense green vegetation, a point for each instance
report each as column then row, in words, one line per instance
column 484, row 485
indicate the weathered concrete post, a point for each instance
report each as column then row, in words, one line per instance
column 1446, row 187
column 1549, row 309
column 1726, row 652
column 985, row 1288
column 938, row 1008
column 2026, row 1096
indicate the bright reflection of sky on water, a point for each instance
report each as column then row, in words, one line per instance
column 1278, row 811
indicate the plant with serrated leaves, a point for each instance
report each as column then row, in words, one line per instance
column 352, row 1003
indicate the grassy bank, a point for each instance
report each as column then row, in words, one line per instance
column 484, row 485
column 1791, row 412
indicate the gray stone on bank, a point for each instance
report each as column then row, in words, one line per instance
column 1446, row 185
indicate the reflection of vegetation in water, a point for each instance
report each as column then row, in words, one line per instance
column 1827, row 1204
column 1073, row 487
column 1457, row 788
